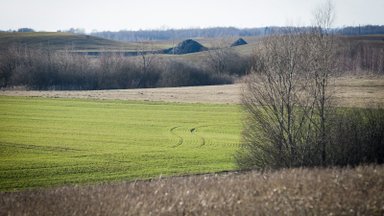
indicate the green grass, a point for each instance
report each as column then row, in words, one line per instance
column 45, row 142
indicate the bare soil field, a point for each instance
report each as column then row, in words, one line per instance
column 349, row 91
column 331, row 191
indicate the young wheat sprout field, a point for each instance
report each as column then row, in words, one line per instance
column 46, row 142
column 91, row 153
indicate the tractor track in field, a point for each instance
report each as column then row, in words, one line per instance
column 181, row 139
column 194, row 132
column 40, row 148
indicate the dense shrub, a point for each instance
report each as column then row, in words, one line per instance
column 224, row 61
column 46, row 69
column 178, row 73
column 357, row 136
column 357, row 56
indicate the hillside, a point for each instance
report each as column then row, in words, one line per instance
column 62, row 41
column 87, row 43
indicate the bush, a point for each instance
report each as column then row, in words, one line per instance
column 357, row 57
column 178, row 73
column 45, row 69
column 355, row 136
column 224, row 61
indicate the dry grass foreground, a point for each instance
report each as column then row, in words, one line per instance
column 350, row 91
column 357, row 191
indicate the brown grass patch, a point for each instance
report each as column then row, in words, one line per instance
column 336, row 191
column 352, row 91
column 362, row 91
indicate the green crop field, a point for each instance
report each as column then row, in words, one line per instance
column 46, row 142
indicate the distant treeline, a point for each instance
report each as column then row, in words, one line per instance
column 362, row 30
column 181, row 34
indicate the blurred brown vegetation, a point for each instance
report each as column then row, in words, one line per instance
column 330, row 191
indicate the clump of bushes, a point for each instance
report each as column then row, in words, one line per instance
column 358, row 56
column 178, row 73
column 356, row 136
column 48, row 70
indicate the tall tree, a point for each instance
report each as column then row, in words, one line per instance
column 287, row 98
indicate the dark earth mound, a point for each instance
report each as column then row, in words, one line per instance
column 239, row 42
column 187, row 46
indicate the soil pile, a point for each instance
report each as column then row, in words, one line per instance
column 239, row 42
column 185, row 47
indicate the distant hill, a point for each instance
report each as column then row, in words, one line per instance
column 62, row 41
column 91, row 45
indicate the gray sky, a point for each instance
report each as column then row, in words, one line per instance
column 51, row 15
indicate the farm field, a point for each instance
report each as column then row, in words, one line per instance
column 63, row 137
column 45, row 142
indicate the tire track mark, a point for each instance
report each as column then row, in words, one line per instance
column 40, row 148
column 228, row 145
column 181, row 140
column 194, row 132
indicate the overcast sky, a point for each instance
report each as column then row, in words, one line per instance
column 51, row 15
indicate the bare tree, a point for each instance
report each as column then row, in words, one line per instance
column 278, row 102
column 108, row 63
column 287, row 98
column 147, row 55
column 219, row 56
column 10, row 59
column 323, row 66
